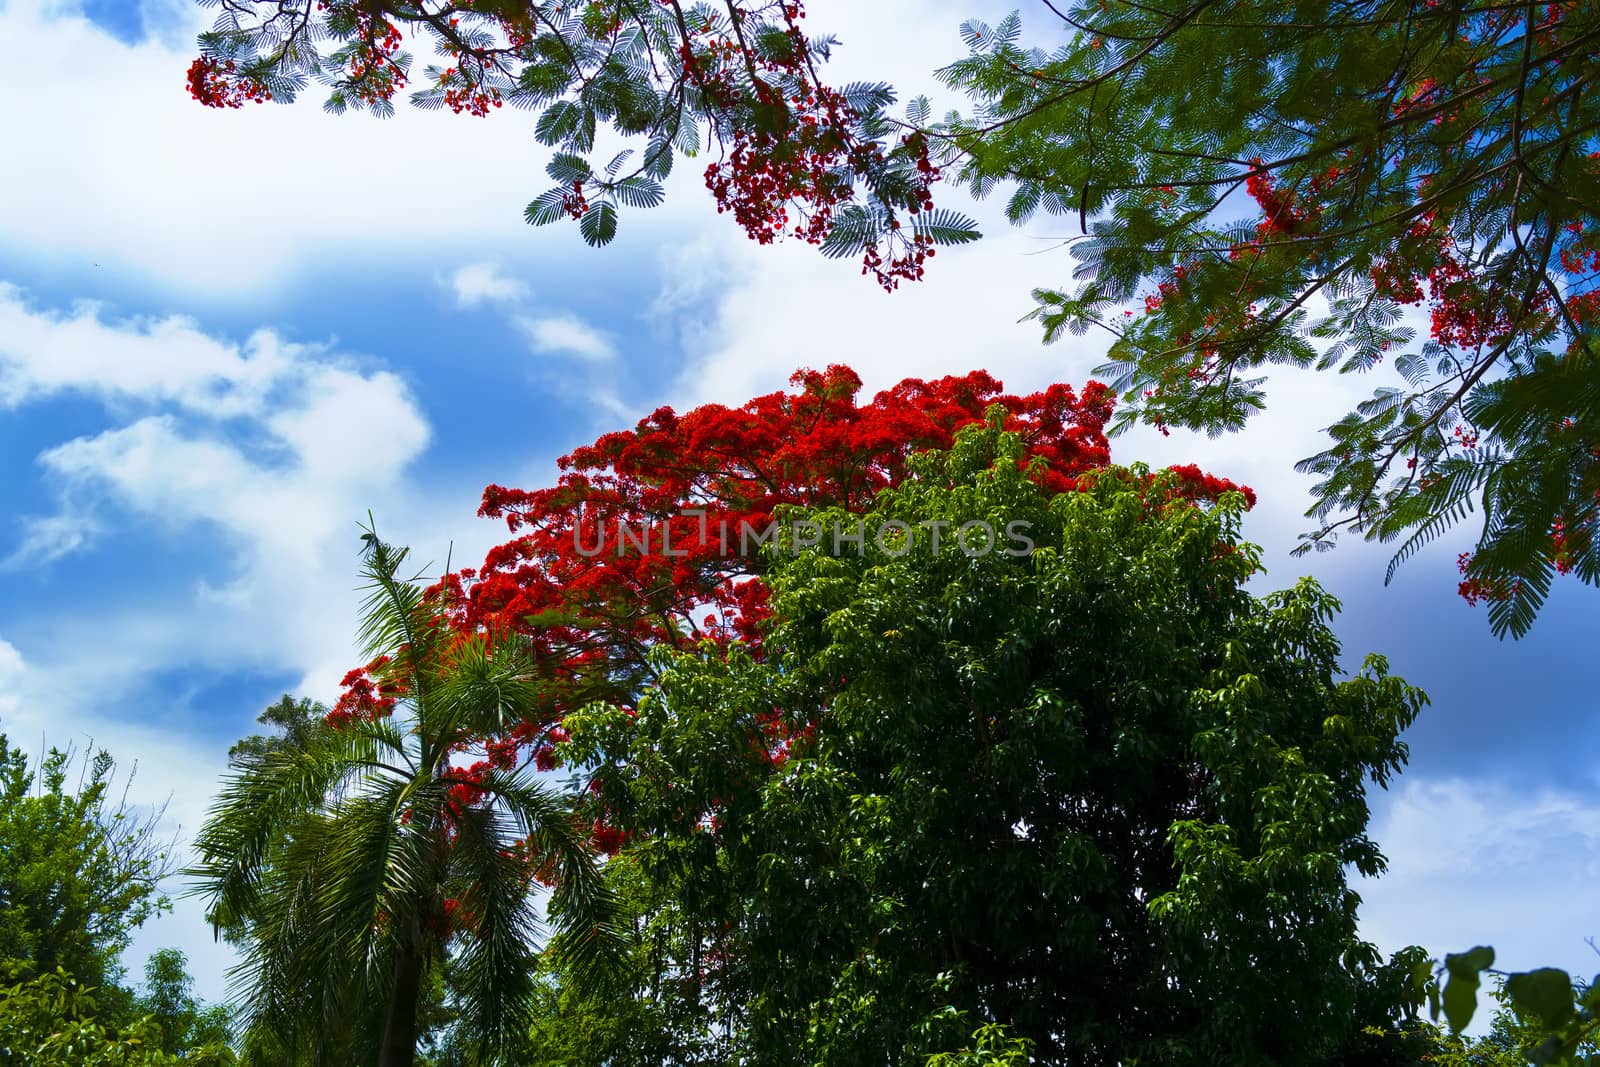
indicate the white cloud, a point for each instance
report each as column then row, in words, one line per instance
column 47, row 538
column 558, row 334
column 166, row 359
column 11, row 668
column 481, row 283
column 223, row 203
column 322, row 433
column 1486, row 862
column 274, row 451
column 10, row 661
column 566, row 335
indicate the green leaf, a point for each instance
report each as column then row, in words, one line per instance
column 1545, row 993
column 638, row 191
column 568, row 168
column 866, row 98
column 1461, row 990
column 854, row 228
column 945, row 227
column 599, row 224
column 546, row 209
column 558, row 122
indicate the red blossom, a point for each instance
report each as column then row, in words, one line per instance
column 606, row 839
column 649, row 532
column 369, row 693
column 215, row 83
column 640, row 543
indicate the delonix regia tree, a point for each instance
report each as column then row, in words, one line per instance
column 1279, row 180
column 1397, row 152
column 649, row 536
column 352, row 861
column 675, row 78
column 1020, row 764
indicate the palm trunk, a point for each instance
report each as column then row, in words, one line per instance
column 399, row 1047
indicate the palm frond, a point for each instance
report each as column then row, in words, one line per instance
column 258, row 806
column 499, row 923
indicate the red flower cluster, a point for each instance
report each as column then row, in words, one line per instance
column 462, row 94
column 368, row 693
column 213, row 84
column 606, row 839
column 1474, row 588
column 468, row 790
column 373, row 71
column 794, row 138
column 1283, row 214
column 1465, row 312
column 1197, row 485
column 1577, row 255
column 644, row 537
column 502, row 752
column 1560, row 548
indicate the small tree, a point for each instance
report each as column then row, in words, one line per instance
column 80, row 867
column 168, row 999
column 292, row 723
column 356, row 860
column 56, row 1021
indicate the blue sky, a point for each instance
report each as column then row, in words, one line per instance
column 225, row 337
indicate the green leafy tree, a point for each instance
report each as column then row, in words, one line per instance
column 991, row 1047
column 168, row 998
column 1086, row 789
column 357, row 861
column 1268, row 183
column 291, row 721
column 665, row 1016
column 80, row 867
column 54, row 1020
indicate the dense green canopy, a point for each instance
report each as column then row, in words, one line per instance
column 1091, row 790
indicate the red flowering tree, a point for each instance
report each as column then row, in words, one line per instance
column 653, row 540
column 652, row 537
column 794, row 154
column 1435, row 154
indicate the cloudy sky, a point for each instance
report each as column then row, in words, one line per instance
column 224, row 337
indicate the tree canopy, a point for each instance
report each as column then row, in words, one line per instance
column 795, row 155
column 1257, row 183
column 1276, row 183
column 80, row 867
column 1088, row 790
column 80, row 870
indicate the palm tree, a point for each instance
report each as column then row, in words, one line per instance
column 355, row 860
